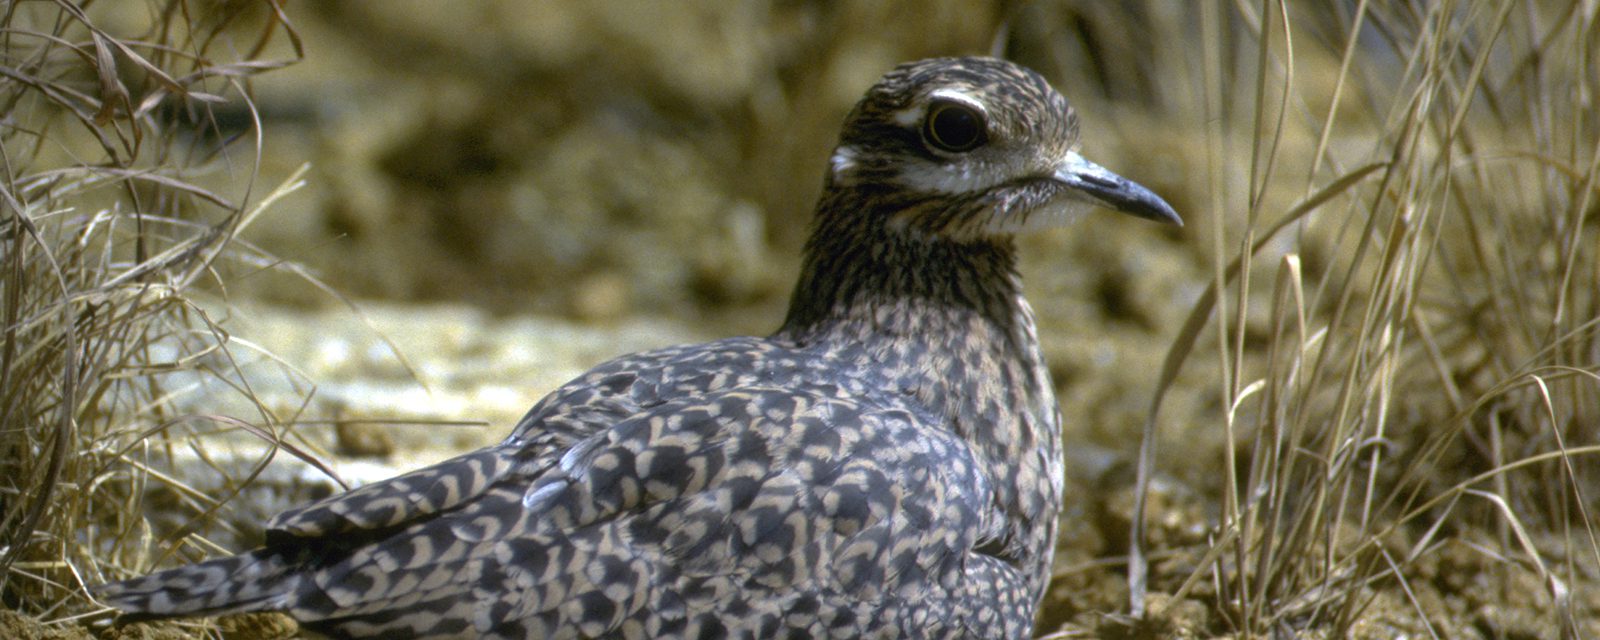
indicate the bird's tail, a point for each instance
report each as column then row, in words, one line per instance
column 260, row 580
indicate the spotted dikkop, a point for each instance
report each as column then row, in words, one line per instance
column 887, row 464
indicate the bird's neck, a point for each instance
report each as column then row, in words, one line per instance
column 894, row 287
column 947, row 324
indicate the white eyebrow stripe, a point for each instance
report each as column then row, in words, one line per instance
column 910, row 116
column 962, row 97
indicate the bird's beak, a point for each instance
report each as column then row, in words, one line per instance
column 1112, row 190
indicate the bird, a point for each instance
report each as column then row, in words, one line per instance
column 887, row 464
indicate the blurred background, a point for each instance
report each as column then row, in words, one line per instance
column 367, row 235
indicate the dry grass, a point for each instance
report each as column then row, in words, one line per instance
column 107, row 235
column 1404, row 311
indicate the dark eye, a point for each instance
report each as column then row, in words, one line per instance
column 953, row 127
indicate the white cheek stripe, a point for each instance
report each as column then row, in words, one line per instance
column 1062, row 212
column 952, row 179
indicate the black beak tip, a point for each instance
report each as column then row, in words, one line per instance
column 1162, row 212
column 1135, row 200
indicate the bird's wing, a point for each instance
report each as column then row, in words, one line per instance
column 753, row 495
column 604, row 396
column 396, row 500
column 301, row 541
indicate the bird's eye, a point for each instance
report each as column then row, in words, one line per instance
column 953, row 127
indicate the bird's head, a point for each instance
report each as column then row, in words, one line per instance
column 971, row 148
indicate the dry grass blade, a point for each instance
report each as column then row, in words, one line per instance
column 1178, row 354
column 97, row 309
column 59, row 430
column 1378, row 366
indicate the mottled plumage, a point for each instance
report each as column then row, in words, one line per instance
column 887, row 464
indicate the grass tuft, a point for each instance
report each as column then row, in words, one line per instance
column 108, row 232
column 1404, row 313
